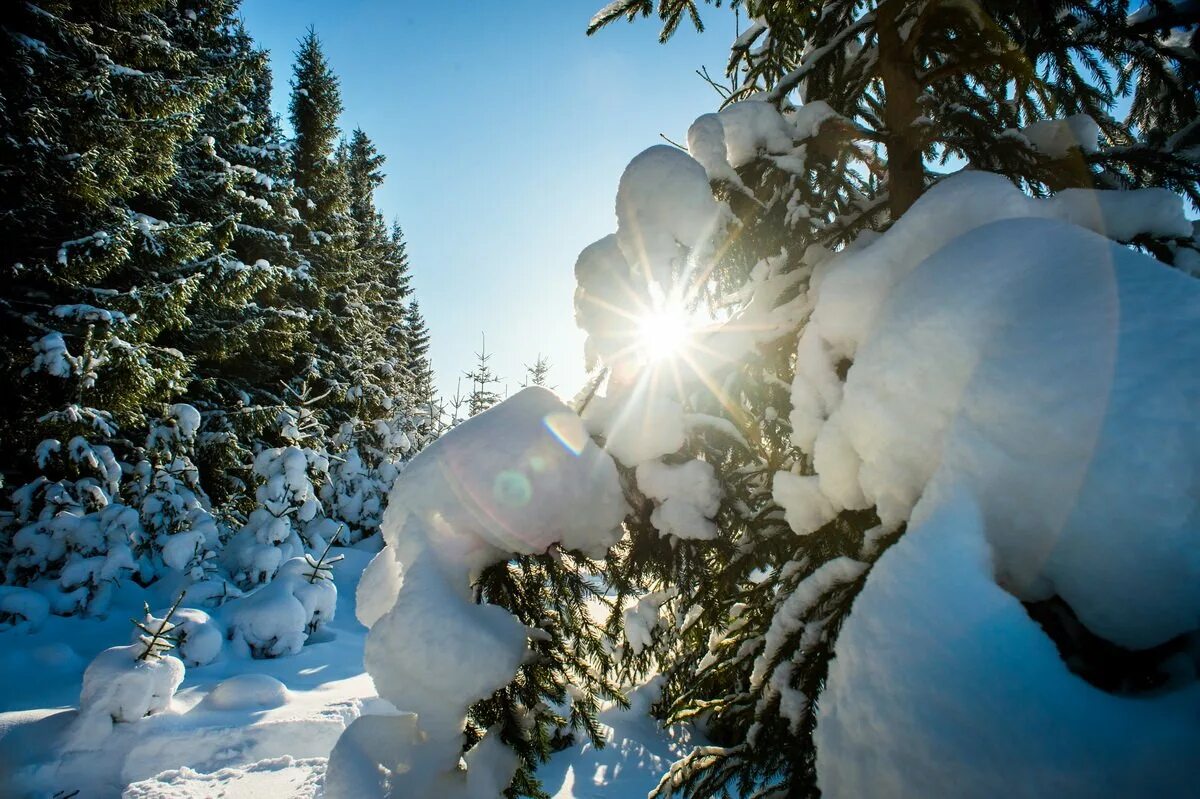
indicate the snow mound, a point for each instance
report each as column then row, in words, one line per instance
column 518, row 478
column 118, row 687
column 247, row 691
column 986, row 706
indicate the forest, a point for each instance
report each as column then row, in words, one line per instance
column 884, row 479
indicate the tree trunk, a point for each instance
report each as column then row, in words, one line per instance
column 905, row 165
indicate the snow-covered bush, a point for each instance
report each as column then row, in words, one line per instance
column 520, row 478
column 289, row 517
column 276, row 619
column 180, row 531
column 22, row 608
column 72, row 536
column 365, row 460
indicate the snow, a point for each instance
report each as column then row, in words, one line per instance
column 22, row 608
column 941, row 679
column 518, row 478
column 1020, row 391
column 1023, row 351
column 200, row 637
column 247, row 692
column 740, row 132
column 640, row 424
column 120, row 687
column 277, row 619
column 1057, row 137
column 805, row 507
column 687, row 497
column 668, row 224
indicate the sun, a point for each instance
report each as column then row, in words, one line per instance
column 664, row 333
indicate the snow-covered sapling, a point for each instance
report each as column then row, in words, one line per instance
column 127, row 683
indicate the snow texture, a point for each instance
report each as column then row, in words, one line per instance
column 118, row 687
column 22, row 608
column 942, row 685
column 686, row 496
column 1045, row 362
column 1022, row 393
column 518, row 478
column 1056, row 138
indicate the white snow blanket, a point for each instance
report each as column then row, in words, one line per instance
column 1032, row 387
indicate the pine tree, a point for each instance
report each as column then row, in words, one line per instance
column 419, row 367
column 892, row 91
column 538, row 374
column 325, row 237
column 483, row 383
column 96, row 101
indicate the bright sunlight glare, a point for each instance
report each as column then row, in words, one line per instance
column 664, row 333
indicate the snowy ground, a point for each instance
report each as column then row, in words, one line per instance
column 233, row 731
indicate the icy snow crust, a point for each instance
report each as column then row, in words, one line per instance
column 519, row 478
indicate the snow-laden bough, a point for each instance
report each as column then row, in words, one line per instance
column 516, row 479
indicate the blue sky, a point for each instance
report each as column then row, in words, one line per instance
column 506, row 130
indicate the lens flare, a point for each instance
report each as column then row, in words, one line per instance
column 664, row 333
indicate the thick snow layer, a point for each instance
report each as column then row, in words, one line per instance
column 518, row 478
column 118, row 687
column 686, row 496
column 667, row 218
column 641, row 423
column 1057, row 376
column 739, row 133
column 942, row 685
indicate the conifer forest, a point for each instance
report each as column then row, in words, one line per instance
column 851, row 449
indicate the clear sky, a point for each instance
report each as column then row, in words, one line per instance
column 506, row 130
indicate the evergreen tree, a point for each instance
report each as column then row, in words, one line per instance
column 96, row 100
column 538, row 374
column 325, row 237
column 419, row 367
column 892, row 91
column 483, row 383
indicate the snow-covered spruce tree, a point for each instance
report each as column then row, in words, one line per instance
column 289, row 518
column 96, row 102
column 419, row 366
column 249, row 329
column 178, row 529
column 872, row 97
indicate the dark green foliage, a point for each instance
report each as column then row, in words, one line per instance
column 556, row 693
column 166, row 243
